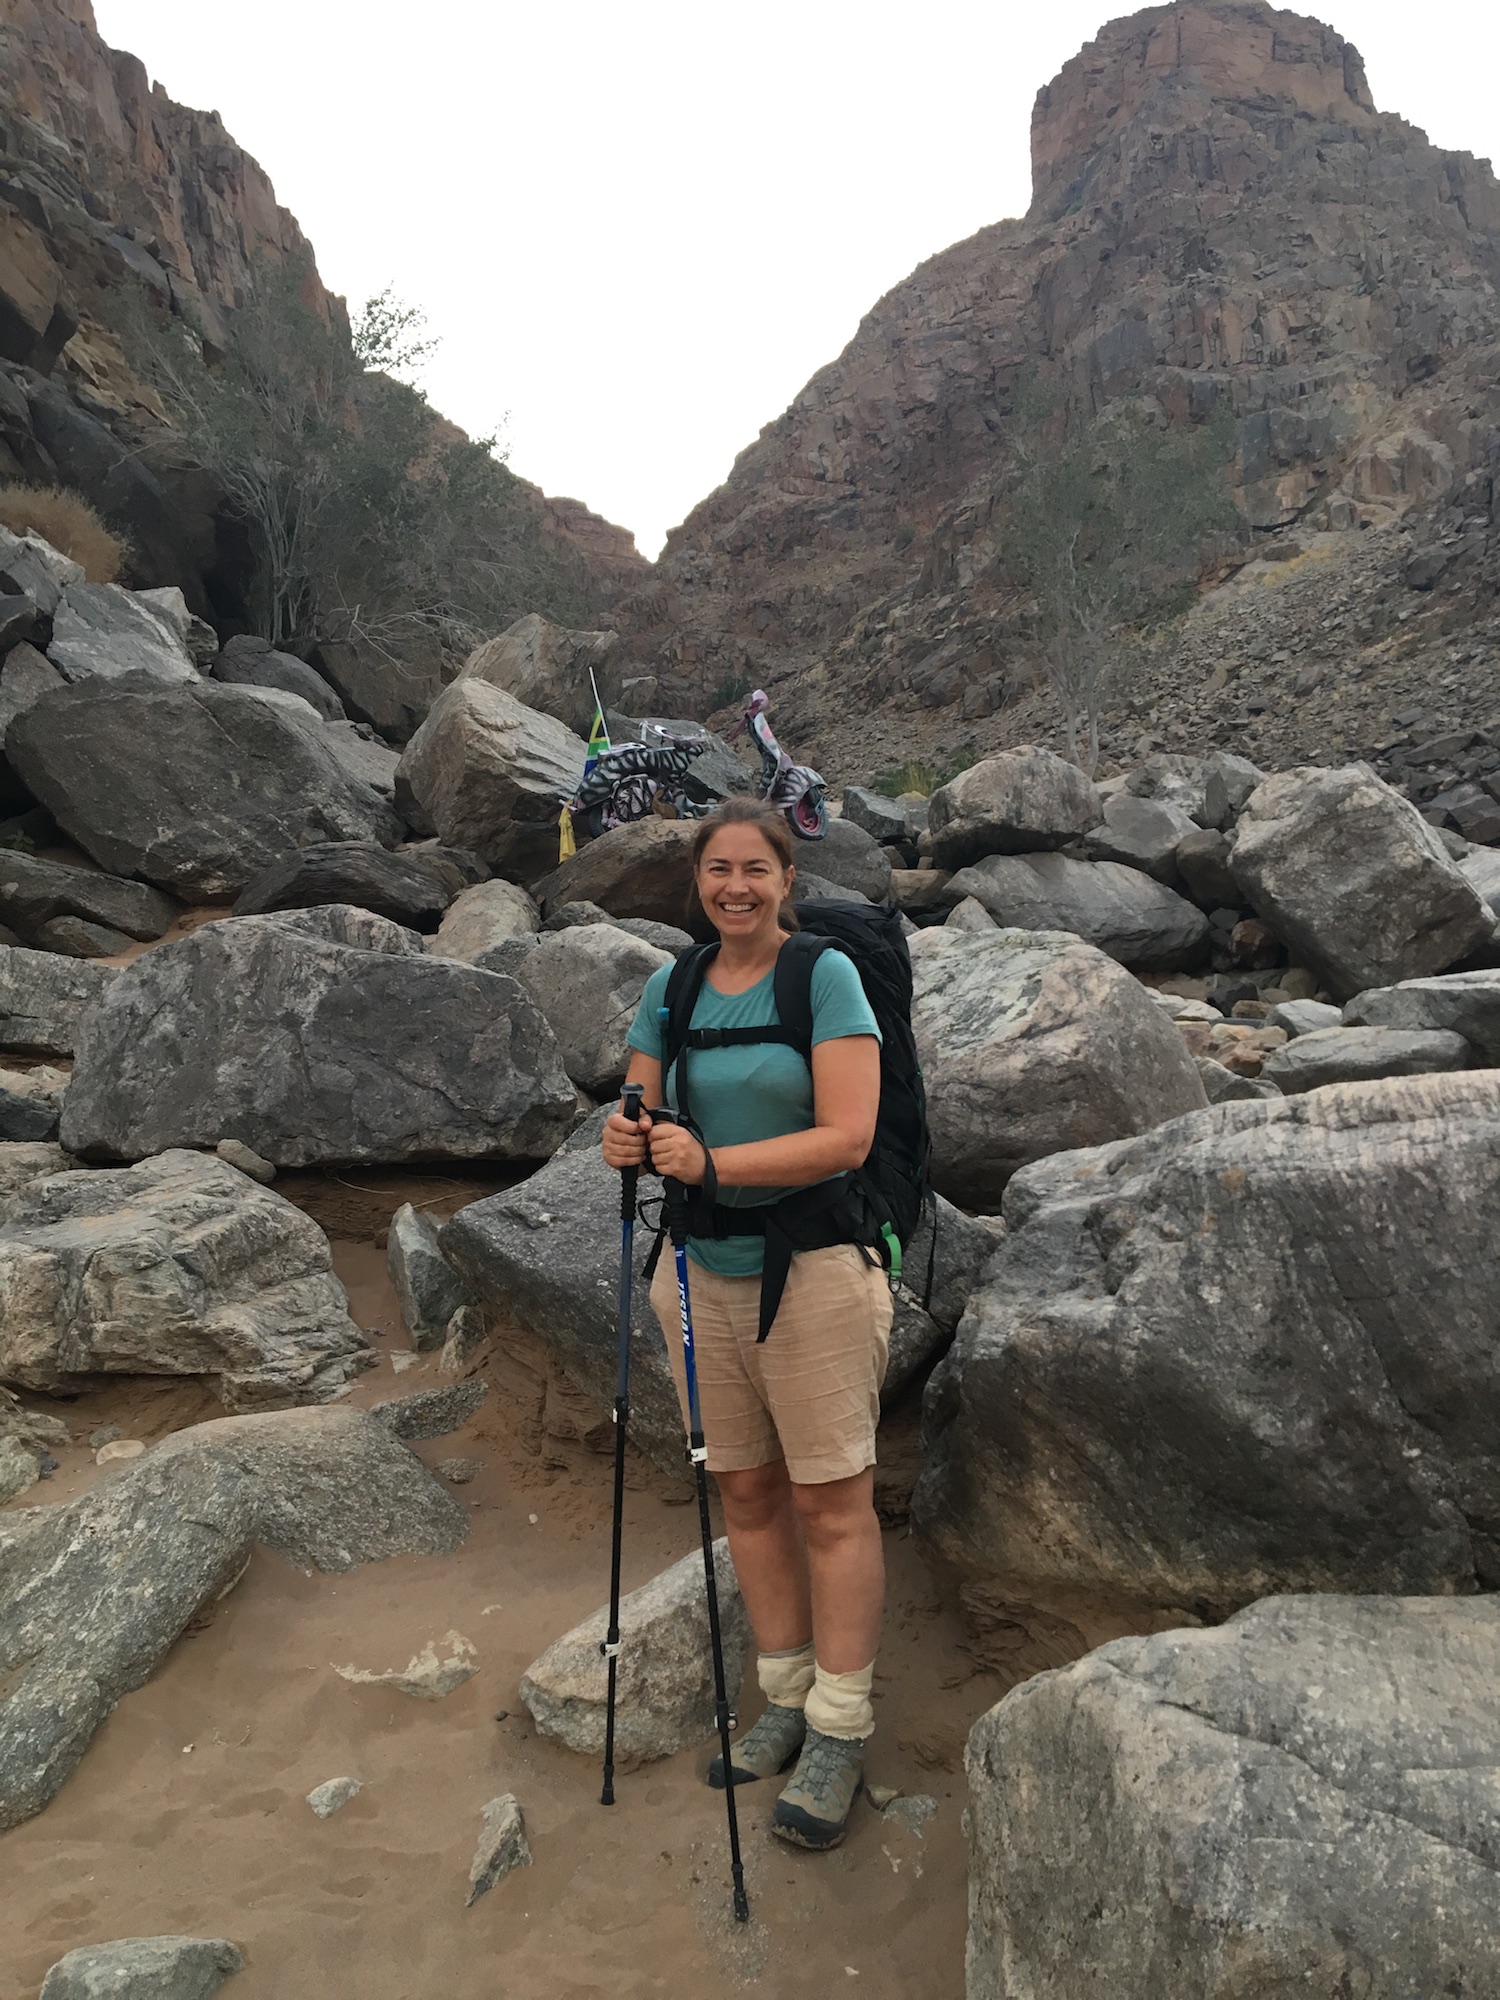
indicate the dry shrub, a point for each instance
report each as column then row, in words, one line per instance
column 69, row 523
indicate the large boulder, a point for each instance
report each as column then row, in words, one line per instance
column 849, row 858
column 1141, row 923
column 1032, row 1043
column 1360, row 1055
column 1301, row 1801
column 1481, row 864
column 33, row 891
column 1141, row 833
column 94, row 1594
column 548, row 1252
column 24, row 678
column 251, row 662
column 318, row 1035
column 178, row 1266
column 347, row 871
column 1248, row 1352
column 642, row 870
column 101, row 632
column 1020, row 802
column 197, row 788
column 665, row 1671
column 545, row 666
column 1354, row 880
column 493, row 776
column 154, row 1968
column 367, row 761
column 587, row 982
column 44, row 998
column 485, row 915
column 1462, row 1003
column 876, row 815
column 31, row 567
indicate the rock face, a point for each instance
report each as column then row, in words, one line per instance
column 1462, row 1003
column 348, row 871
column 545, row 667
column 1360, row 1055
column 1141, row 923
column 644, row 870
column 665, row 1690
column 587, row 983
column 1353, row 879
column 1023, row 802
column 320, row 1035
column 179, row 1266
column 1030, row 1043
column 157, row 1968
column 96, row 1592
column 197, row 788
column 1245, row 1353
column 43, row 1000
column 102, row 632
column 33, row 891
column 492, row 775
column 1297, row 1801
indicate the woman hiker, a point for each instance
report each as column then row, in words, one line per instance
column 790, row 1422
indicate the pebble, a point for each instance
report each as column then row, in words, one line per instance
column 913, row 1813
column 880, row 1796
column 502, row 1846
column 325, row 1800
column 119, row 1447
column 403, row 1358
column 459, row 1471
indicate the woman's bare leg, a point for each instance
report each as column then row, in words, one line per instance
column 770, row 1556
column 846, row 1564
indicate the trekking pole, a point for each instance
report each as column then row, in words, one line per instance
column 675, row 1203
column 632, row 1099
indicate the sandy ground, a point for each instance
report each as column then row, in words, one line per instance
column 188, row 1812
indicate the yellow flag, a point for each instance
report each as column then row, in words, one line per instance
column 566, row 847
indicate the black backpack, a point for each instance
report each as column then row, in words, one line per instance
column 878, row 1205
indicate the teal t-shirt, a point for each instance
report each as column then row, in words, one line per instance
column 763, row 1091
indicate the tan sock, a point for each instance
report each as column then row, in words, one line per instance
column 786, row 1677
column 840, row 1704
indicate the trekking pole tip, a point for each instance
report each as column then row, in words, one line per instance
column 741, row 1907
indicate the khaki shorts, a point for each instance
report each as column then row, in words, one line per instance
column 811, row 1393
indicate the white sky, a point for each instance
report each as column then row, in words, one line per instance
column 639, row 226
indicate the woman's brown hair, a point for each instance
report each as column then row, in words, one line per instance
column 740, row 812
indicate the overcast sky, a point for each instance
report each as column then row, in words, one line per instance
column 639, row 226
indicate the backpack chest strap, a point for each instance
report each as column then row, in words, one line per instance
column 738, row 1038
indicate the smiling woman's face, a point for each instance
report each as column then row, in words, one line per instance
column 742, row 883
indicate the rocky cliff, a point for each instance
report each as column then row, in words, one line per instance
column 104, row 182
column 1221, row 216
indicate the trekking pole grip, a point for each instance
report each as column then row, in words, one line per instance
column 632, row 1098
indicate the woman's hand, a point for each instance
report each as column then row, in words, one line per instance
column 624, row 1144
column 675, row 1152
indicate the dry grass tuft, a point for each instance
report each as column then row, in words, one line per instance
column 69, row 523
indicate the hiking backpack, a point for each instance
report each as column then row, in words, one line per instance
column 877, row 1205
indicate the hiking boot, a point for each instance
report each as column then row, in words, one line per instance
column 814, row 1809
column 765, row 1750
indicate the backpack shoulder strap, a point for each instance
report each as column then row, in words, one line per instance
column 684, row 984
column 793, row 987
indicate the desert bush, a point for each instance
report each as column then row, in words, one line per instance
column 69, row 523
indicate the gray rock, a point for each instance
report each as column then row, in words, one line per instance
column 665, row 937
column 1223, row 1086
column 20, row 1466
column 1464, row 1003
column 921, row 893
column 1351, row 876
column 268, row 1030
column 1202, row 861
column 453, row 868
column 1359, row 1055
column 196, row 788
column 21, row 1164
column 1481, row 864
column 21, row 621
column 25, row 677
column 643, row 870
column 1171, row 780
column 1303, row 1017
column 428, row 1289
column 503, row 1845
column 326, row 1799
column 372, row 764
column 33, row 568
column 509, row 955
column 493, row 775
column 970, row 915
column 245, row 1158
column 1298, row 1802
column 44, row 999
column 76, row 938
column 460, row 1471
column 251, row 662
column 101, row 632
column 810, row 888
column 357, row 872
column 849, row 857
column 1031, row 1043
column 1228, row 782
column 879, row 817
column 665, row 1687
column 168, row 605
column 548, row 1252
column 482, row 916
column 587, row 982
column 159, row 1968
column 1141, row 833
column 547, row 667
column 1020, row 802
column 431, row 1413
column 1129, row 917
column 26, row 1116
column 178, row 1266
column 1204, row 1366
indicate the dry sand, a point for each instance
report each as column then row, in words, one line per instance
column 188, row 1814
